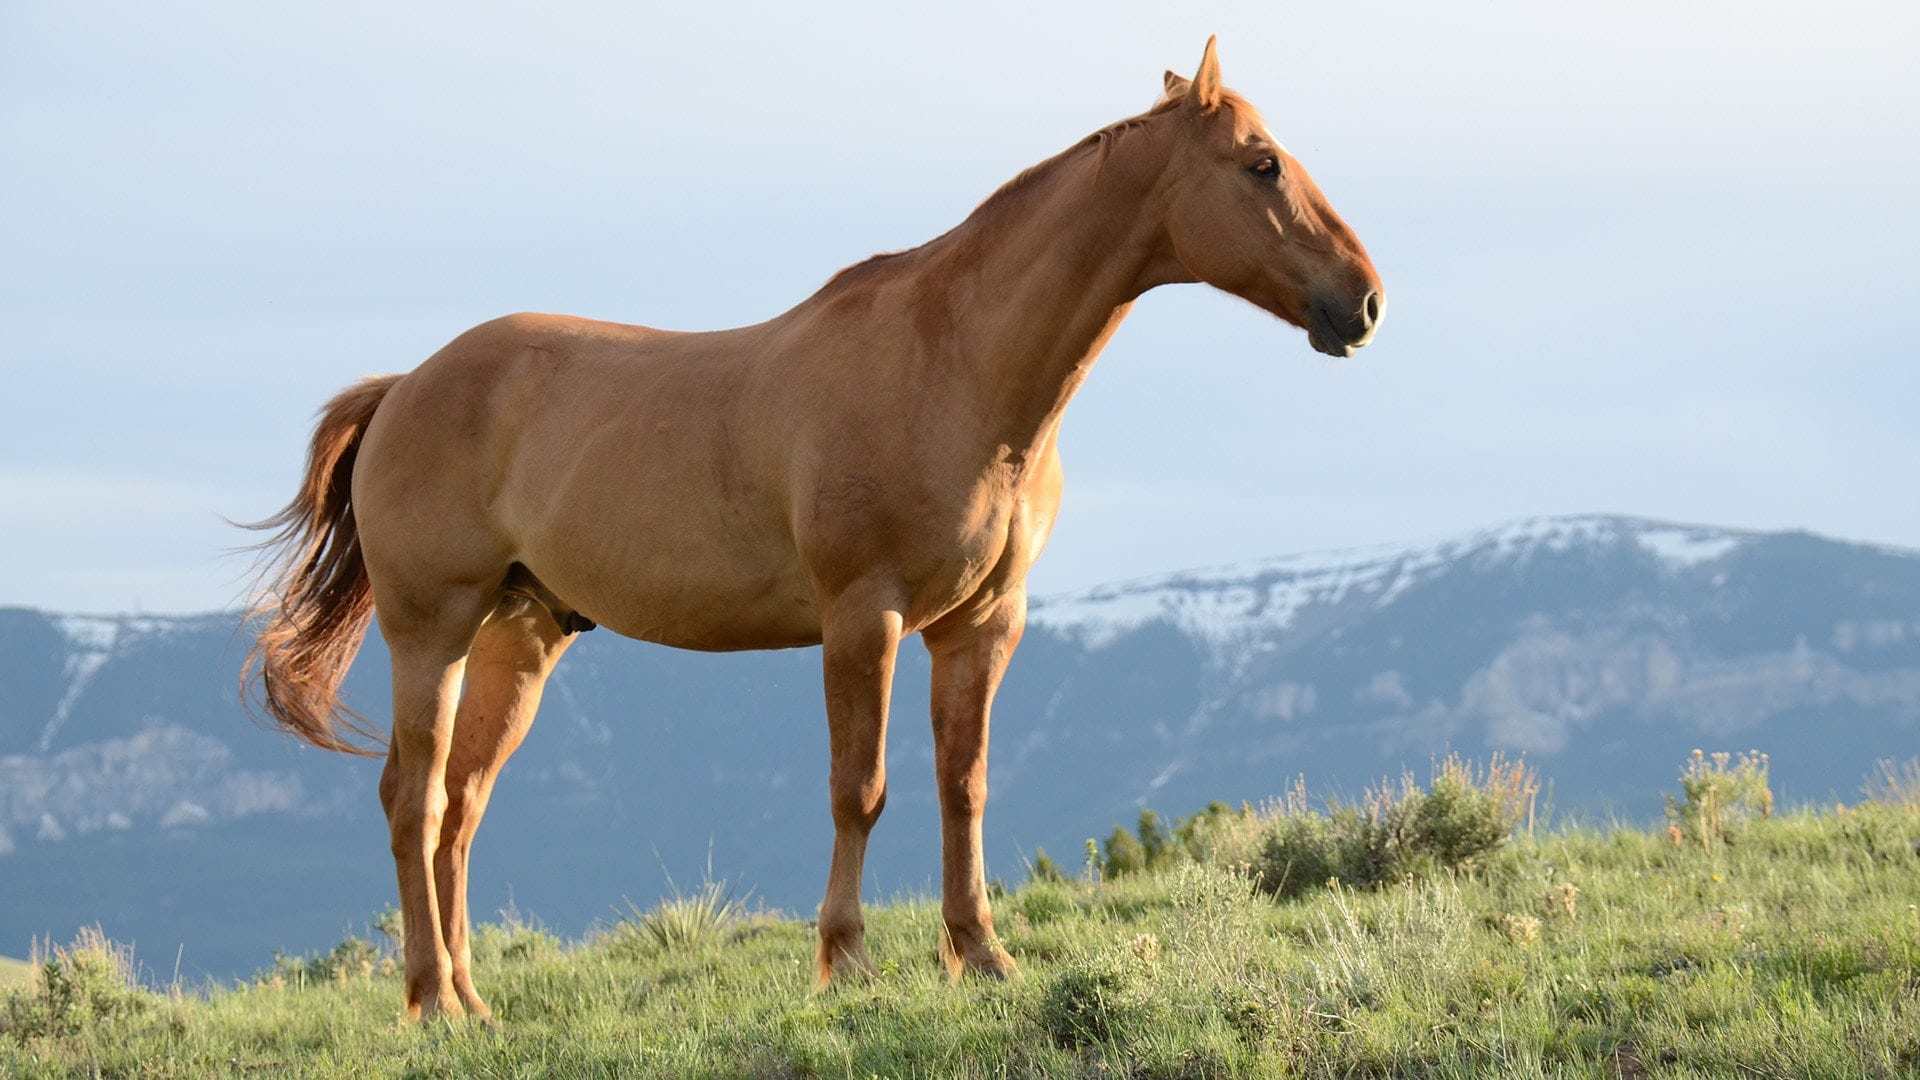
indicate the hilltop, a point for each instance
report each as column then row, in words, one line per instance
column 1737, row 944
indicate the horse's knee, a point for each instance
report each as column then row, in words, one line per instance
column 964, row 793
column 450, row 855
column 414, row 820
column 389, row 787
column 857, row 804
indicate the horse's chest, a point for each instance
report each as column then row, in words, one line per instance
column 940, row 544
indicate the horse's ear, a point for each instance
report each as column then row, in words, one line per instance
column 1177, row 86
column 1206, row 82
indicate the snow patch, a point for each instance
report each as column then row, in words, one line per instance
column 1684, row 549
column 91, row 632
column 94, row 639
column 1230, row 606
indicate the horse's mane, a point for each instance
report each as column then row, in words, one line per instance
column 1097, row 146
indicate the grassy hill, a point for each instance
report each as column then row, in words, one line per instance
column 1783, row 945
column 13, row 972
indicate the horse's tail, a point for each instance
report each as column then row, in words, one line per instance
column 315, row 601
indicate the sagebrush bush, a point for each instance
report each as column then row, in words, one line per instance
column 1103, row 997
column 1304, row 849
column 1217, row 928
column 89, row 983
column 1720, row 795
column 1396, row 831
column 356, row 958
column 1122, row 854
column 1207, row 836
column 1043, row 868
column 1414, row 941
column 1466, row 812
column 1044, row 901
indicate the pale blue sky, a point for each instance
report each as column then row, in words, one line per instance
column 1651, row 258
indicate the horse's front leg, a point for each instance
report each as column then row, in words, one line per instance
column 860, row 642
column 968, row 661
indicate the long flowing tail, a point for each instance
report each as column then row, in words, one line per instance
column 315, row 601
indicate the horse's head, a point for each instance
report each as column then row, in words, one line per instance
column 1244, row 217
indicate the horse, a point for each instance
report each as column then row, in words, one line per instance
column 881, row 460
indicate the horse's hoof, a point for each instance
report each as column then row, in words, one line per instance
column 443, row 1006
column 850, row 962
column 994, row 963
column 987, row 958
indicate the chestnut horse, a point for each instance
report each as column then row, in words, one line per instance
column 879, row 461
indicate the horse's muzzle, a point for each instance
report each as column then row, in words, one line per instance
column 1340, row 327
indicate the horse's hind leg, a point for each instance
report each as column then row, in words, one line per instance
column 429, row 640
column 506, row 672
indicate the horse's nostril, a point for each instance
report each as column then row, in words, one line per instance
column 1370, row 308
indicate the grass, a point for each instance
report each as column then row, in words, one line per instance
column 1789, row 948
column 14, row 972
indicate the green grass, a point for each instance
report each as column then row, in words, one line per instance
column 1792, row 950
column 13, row 972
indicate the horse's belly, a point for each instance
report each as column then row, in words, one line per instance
column 703, row 597
column 718, row 622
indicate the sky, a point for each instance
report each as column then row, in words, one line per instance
column 1644, row 258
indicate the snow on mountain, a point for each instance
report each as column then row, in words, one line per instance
column 92, row 640
column 1263, row 597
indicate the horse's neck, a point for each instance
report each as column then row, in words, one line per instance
column 1043, row 284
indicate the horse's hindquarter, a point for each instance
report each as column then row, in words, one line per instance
column 608, row 460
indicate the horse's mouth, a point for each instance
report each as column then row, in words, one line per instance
column 1340, row 351
column 1324, row 339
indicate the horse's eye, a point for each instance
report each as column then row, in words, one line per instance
column 1266, row 168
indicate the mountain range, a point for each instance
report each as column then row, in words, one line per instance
column 136, row 794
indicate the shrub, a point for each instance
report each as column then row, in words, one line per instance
column 1206, row 836
column 1466, row 813
column 1123, row 855
column 1043, row 902
column 1412, row 944
column 1305, row 850
column 1396, row 831
column 1102, row 997
column 87, row 983
column 1214, row 834
column 1044, row 868
column 1217, row 928
column 1720, row 794
column 354, row 958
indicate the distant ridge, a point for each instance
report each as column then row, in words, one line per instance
column 1270, row 591
column 135, row 792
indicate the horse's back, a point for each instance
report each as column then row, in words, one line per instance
column 612, row 461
